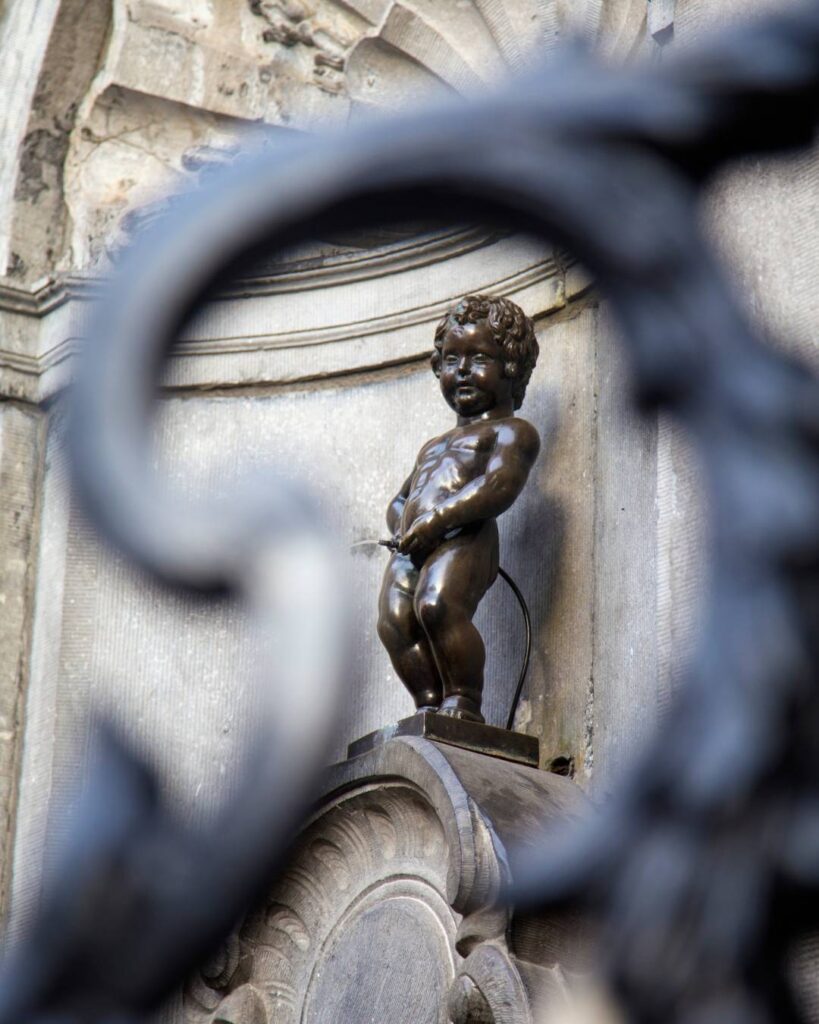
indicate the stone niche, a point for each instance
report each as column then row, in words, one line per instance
column 388, row 912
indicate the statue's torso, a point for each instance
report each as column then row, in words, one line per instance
column 446, row 464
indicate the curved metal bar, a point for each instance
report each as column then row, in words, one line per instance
column 687, row 877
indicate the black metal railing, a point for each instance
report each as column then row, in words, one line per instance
column 703, row 869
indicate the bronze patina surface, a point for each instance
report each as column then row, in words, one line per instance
column 457, row 732
column 443, row 520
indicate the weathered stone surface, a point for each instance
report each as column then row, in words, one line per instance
column 623, row 704
column 21, row 455
column 682, row 545
column 24, row 32
column 37, row 777
column 131, row 149
column 120, row 97
column 33, row 226
column 557, row 520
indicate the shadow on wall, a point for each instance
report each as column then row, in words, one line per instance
column 532, row 533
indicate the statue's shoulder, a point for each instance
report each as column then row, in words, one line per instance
column 521, row 434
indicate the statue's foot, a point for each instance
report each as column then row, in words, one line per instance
column 461, row 707
column 427, row 700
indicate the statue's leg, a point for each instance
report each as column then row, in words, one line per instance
column 450, row 586
column 404, row 638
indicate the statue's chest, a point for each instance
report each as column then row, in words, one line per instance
column 465, row 449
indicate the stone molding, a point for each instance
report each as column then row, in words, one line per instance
column 41, row 325
column 346, row 267
column 388, row 909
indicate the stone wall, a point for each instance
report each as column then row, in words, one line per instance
column 22, row 443
column 320, row 362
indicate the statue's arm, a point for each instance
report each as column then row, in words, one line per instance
column 492, row 493
column 396, row 507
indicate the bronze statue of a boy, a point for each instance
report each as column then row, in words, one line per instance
column 443, row 520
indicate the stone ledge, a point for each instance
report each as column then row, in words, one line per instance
column 480, row 738
column 370, row 316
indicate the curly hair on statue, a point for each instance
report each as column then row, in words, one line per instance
column 513, row 331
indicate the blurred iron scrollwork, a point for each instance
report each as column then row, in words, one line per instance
column 704, row 867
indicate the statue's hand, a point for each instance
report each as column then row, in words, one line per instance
column 423, row 535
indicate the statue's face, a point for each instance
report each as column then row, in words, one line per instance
column 472, row 379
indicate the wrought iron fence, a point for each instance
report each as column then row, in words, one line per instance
column 704, row 867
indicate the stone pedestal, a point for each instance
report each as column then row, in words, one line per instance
column 482, row 738
column 387, row 912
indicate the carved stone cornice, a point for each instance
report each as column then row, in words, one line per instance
column 41, row 325
column 345, row 267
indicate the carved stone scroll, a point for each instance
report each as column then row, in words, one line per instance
column 387, row 910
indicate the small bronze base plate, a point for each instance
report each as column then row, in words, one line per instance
column 485, row 739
